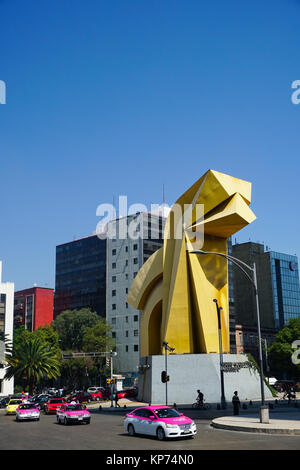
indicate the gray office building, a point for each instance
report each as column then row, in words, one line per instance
column 130, row 242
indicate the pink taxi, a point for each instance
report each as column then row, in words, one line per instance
column 160, row 421
column 73, row 413
column 27, row 411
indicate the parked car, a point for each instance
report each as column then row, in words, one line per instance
column 101, row 395
column 73, row 414
column 27, row 411
column 41, row 401
column 283, row 385
column 129, row 393
column 52, row 404
column 95, row 389
column 81, row 397
column 160, row 421
column 12, row 406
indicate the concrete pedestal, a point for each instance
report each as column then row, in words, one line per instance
column 264, row 414
column 190, row 372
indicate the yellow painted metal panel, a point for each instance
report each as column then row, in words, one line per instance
column 175, row 288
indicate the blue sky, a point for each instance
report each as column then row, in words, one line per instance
column 109, row 98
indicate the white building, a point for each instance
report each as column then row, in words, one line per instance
column 6, row 327
column 130, row 242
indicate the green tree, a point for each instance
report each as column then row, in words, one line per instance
column 31, row 361
column 70, row 326
column 280, row 353
column 98, row 337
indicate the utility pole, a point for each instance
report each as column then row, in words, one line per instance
column 223, row 400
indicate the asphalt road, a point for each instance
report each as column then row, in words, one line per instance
column 106, row 433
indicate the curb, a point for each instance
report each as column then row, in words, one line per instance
column 256, row 429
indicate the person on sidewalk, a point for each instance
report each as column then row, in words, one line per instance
column 236, row 403
column 116, row 400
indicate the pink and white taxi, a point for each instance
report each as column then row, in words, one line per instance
column 160, row 421
column 27, row 411
column 73, row 413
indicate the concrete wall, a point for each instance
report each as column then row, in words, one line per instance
column 189, row 372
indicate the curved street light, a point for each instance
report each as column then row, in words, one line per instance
column 242, row 265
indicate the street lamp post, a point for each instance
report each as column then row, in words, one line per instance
column 223, row 400
column 264, row 411
column 167, row 348
column 112, row 354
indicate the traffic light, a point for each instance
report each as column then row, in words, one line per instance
column 108, row 381
column 108, row 361
column 164, row 377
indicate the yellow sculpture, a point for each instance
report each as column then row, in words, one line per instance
column 175, row 288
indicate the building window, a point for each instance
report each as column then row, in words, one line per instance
column 114, row 278
column 136, row 333
column 113, row 293
column 136, row 318
column 126, row 290
column 114, row 306
column 126, row 276
column 136, row 347
column 126, row 348
column 113, row 321
column 126, row 333
column 126, row 249
column 134, row 274
column 113, row 334
column 126, row 262
column 113, row 265
column 126, row 305
column 135, row 247
column 114, row 252
column 126, row 319
column 135, row 261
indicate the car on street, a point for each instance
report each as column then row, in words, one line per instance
column 128, row 393
column 101, row 395
column 283, row 385
column 27, row 411
column 12, row 406
column 52, row 404
column 41, row 401
column 81, row 397
column 4, row 401
column 161, row 421
column 95, row 389
column 69, row 413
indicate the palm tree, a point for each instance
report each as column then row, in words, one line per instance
column 31, row 361
column 5, row 347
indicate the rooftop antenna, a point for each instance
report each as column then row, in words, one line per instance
column 114, row 204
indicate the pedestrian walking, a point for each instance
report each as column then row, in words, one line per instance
column 236, row 403
column 116, row 400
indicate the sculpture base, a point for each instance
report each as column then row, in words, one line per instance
column 191, row 372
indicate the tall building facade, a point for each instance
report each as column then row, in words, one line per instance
column 6, row 329
column 80, row 276
column 132, row 240
column 33, row 308
column 278, row 293
column 232, row 332
column 278, row 286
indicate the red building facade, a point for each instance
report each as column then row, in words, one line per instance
column 33, row 308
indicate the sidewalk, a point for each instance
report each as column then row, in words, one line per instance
column 289, row 423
